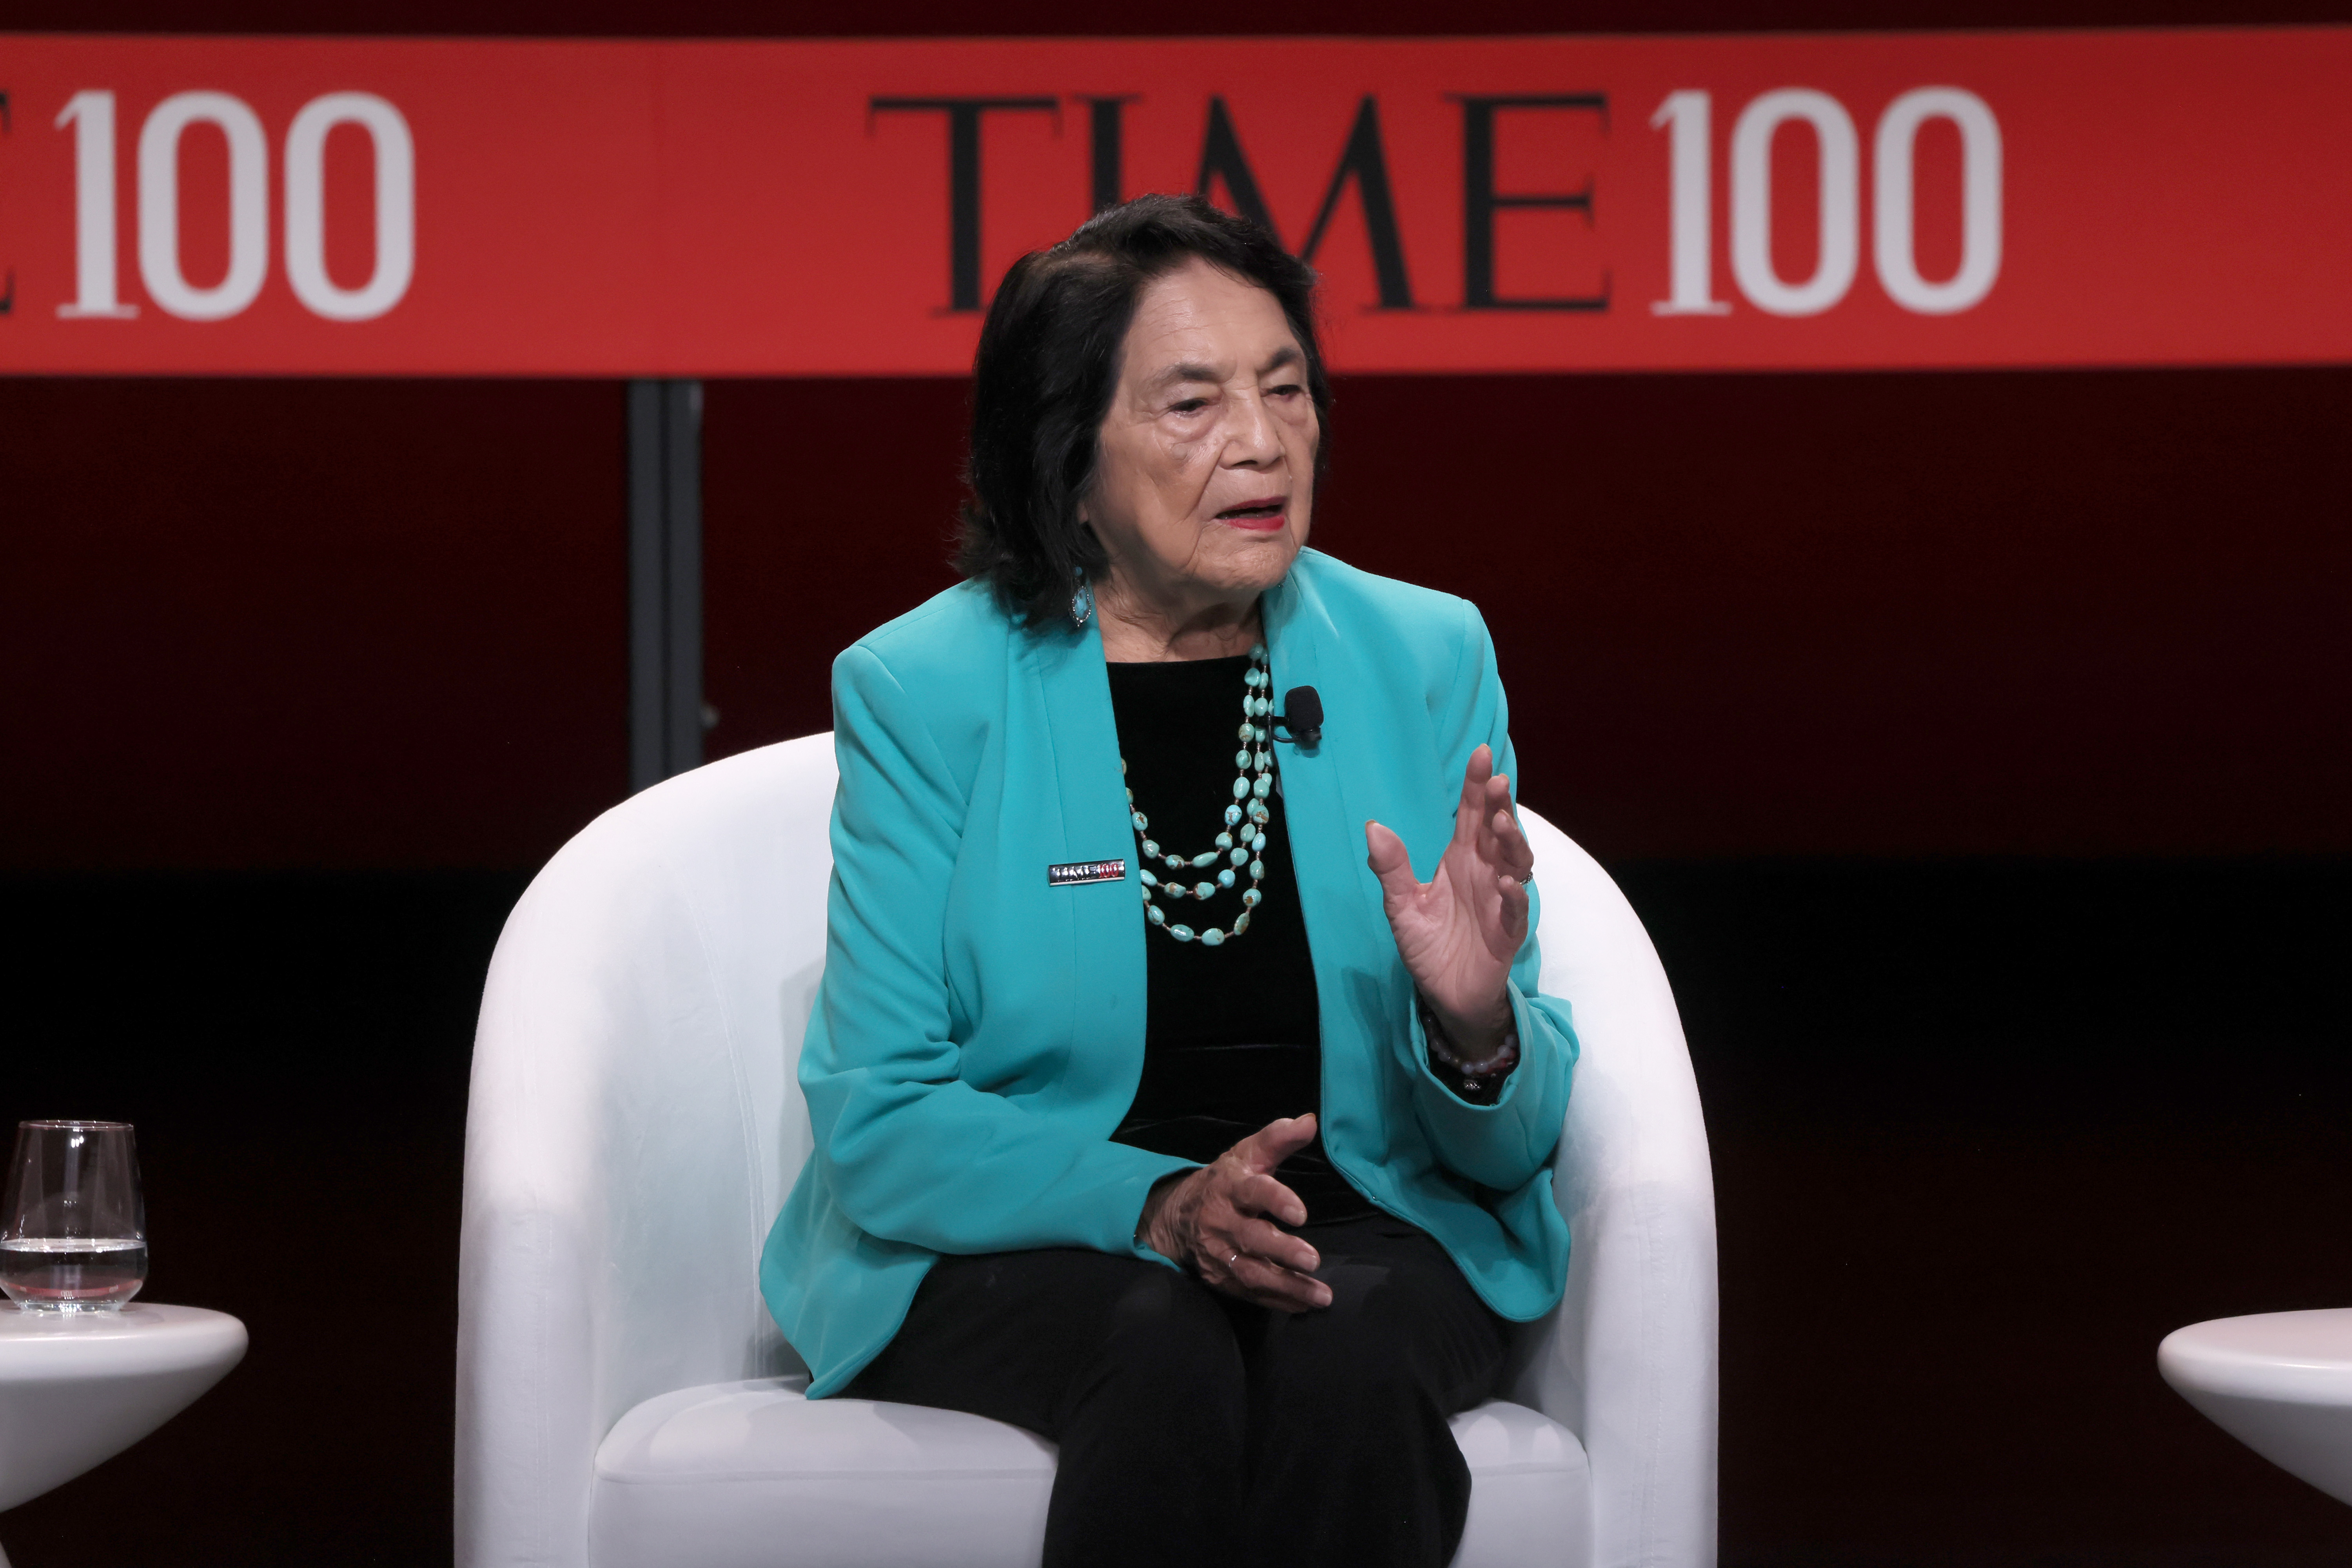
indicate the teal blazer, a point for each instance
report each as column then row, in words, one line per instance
column 978, row 1035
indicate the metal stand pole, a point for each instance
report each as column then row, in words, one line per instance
column 666, row 709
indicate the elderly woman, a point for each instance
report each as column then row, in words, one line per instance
column 1160, row 1108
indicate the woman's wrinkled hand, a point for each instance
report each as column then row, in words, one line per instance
column 1218, row 1221
column 1458, row 934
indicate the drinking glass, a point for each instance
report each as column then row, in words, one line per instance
column 75, row 1235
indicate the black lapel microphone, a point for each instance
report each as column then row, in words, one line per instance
column 1302, row 715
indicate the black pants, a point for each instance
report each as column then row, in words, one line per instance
column 1196, row 1428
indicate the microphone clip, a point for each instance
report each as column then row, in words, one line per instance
column 1302, row 715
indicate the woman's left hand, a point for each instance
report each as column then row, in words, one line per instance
column 1458, row 934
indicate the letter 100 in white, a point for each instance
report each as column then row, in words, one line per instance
column 96, row 292
column 1893, row 155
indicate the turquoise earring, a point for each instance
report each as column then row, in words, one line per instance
column 1082, row 603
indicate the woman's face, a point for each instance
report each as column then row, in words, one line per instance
column 1204, row 475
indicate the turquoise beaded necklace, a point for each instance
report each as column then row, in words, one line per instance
column 1237, row 845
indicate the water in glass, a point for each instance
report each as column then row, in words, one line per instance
column 67, row 1270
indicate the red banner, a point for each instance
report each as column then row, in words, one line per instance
column 379, row 206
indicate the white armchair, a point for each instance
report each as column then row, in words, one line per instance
column 624, row 1399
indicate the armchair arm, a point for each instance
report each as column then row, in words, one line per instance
column 1628, row 1359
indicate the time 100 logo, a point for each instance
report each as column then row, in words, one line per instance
column 1686, row 115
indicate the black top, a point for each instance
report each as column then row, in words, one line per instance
column 1231, row 1039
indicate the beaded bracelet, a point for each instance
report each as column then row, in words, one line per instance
column 1471, row 1074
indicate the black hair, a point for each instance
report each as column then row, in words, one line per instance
column 1047, row 365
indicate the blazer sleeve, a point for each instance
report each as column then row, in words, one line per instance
column 1502, row 1145
column 909, row 1151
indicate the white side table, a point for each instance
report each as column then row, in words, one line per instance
column 78, row 1388
column 2279, row 1383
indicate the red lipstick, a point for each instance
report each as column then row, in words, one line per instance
column 1267, row 514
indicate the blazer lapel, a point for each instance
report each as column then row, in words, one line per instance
column 1073, row 691
column 1323, row 800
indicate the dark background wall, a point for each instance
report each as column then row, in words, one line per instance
column 1971, row 744
column 380, row 624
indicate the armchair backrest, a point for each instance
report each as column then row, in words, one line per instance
column 635, row 1121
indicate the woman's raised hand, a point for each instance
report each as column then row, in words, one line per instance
column 1216, row 1219
column 1458, row 934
